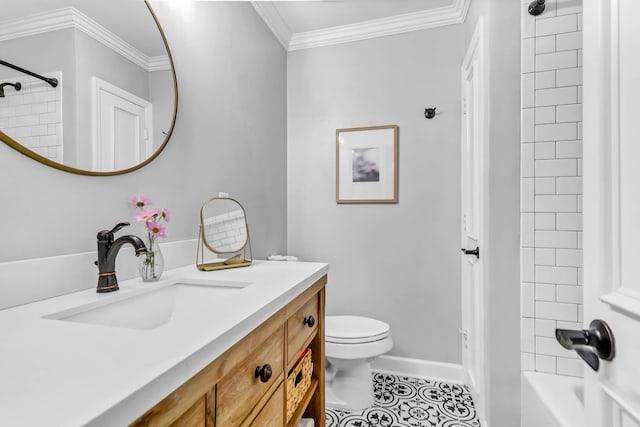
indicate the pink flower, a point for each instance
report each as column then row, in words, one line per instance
column 139, row 201
column 156, row 230
column 166, row 214
column 147, row 215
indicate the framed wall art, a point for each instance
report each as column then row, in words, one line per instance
column 367, row 165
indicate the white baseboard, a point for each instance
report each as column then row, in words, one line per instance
column 418, row 368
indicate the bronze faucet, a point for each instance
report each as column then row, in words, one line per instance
column 107, row 251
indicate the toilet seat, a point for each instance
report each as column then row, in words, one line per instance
column 354, row 330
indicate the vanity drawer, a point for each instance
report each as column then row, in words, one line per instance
column 240, row 390
column 272, row 415
column 300, row 326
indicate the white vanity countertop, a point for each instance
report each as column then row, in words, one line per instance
column 63, row 373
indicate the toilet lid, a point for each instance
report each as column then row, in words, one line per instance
column 354, row 329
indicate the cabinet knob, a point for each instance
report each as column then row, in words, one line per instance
column 309, row 321
column 264, row 373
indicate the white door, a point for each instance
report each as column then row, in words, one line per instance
column 612, row 204
column 121, row 128
column 473, row 228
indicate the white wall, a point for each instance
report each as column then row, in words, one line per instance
column 551, row 185
column 395, row 262
column 230, row 136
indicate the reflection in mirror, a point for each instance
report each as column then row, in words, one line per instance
column 114, row 106
column 223, row 231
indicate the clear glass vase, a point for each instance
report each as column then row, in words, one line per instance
column 152, row 263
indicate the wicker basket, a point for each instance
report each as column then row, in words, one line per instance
column 298, row 382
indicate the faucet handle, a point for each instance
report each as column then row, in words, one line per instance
column 108, row 235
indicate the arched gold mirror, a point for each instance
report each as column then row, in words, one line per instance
column 225, row 232
column 86, row 86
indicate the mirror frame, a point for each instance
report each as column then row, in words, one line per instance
column 37, row 157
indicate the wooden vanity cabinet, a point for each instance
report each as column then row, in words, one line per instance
column 238, row 389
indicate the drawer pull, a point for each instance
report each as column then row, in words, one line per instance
column 264, row 373
column 309, row 321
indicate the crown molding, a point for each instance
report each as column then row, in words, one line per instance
column 274, row 21
column 432, row 18
column 70, row 17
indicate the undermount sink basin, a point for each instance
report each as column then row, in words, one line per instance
column 153, row 307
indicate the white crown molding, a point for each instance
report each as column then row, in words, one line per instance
column 433, row 18
column 274, row 21
column 70, row 17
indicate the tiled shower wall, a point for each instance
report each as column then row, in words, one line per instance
column 551, row 180
column 33, row 115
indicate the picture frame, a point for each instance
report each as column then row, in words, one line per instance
column 367, row 164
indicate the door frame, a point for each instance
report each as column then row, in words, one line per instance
column 475, row 65
column 98, row 86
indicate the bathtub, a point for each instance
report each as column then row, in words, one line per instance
column 552, row 400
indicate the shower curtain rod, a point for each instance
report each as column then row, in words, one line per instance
column 53, row 82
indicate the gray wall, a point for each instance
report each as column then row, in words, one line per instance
column 161, row 96
column 502, row 293
column 230, row 136
column 400, row 262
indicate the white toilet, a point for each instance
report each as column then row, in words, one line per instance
column 351, row 343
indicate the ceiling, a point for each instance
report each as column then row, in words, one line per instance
column 307, row 24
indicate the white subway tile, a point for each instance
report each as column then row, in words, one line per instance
column 546, row 328
column 556, row 96
column 545, row 150
column 580, row 129
column 527, row 299
column 527, row 230
column 570, row 367
column 545, row 221
column 528, row 55
column 527, row 265
column 580, row 94
column 549, row 10
column 545, row 292
column 568, row 149
column 546, row 364
column 528, row 90
column 557, row 167
column 550, row 347
column 23, row 121
column 527, row 161
column 561, row 324
column 545, row 115
column 569, row 113
column 579, row 239
column 546, row 44
column 527, row 362
column 556, row 311
column 556, row 239
column 545, row 185
column 579, row 57
column 569, row 257
column 544, row 256
column 580, row 22
column 560, row 24
column 569, row 221
column 557, row 60
column 569, row 41
column 569, row 294
column 579, row 166
column 555, row 203
column 569, row 185
column 528, row 24
column 527, row 201
column 567, row 7
column 545, row 79
column 556, row 132
column 580, row 275
column 557, row 275
column 527, row 335
column 528, row 118
column 580, row 313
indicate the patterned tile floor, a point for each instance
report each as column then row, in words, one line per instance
column 410, row 402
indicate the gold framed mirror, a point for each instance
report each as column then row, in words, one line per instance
column 114, row 104
column 224, row 231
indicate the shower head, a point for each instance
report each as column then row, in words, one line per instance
column 17, row 86
column 536, row 7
